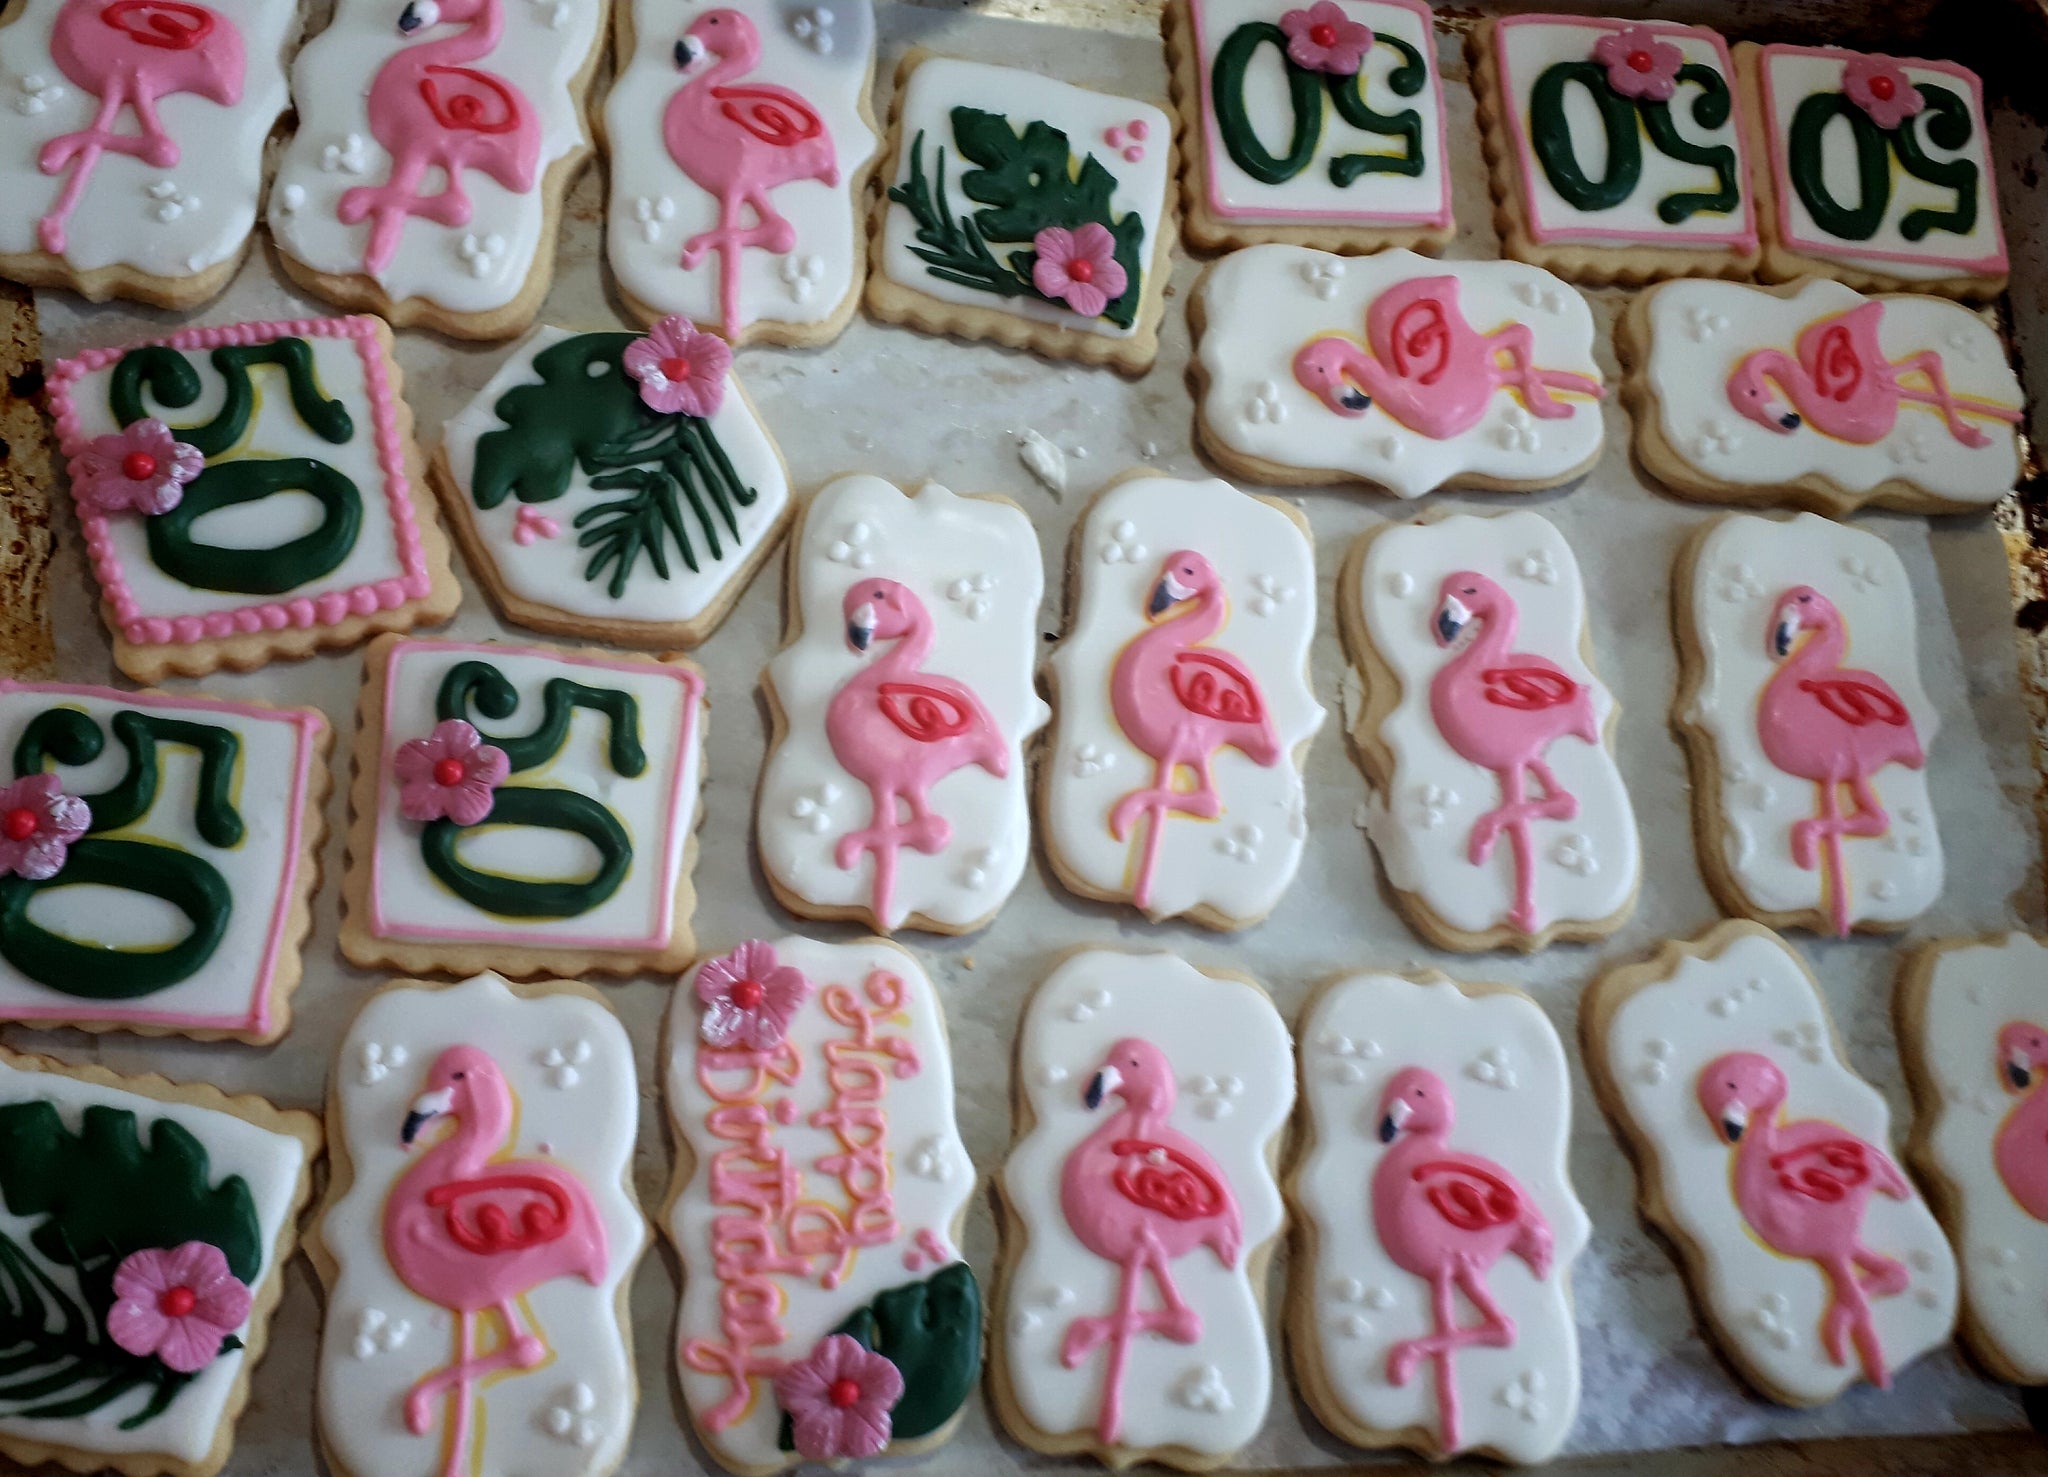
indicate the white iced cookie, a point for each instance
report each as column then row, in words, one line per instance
column 480, row 1234
column 1802, row 711
column 1768, row 1162
column 894, row 789
column 1498, row 809
column 1434, row 1308
column 1973, row 1032
column 1140, row 1206
column 1185, row 708
column 1394, row 370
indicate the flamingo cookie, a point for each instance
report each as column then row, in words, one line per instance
column 1767, row 1161
column 1185, row 708
column 894, row 786
column 1139, row 1206
column 1816, row 396
column 1973, row 1033
column 1802, row 709
column 1442, row 1224
column 479, row 1233
column 1499, row 813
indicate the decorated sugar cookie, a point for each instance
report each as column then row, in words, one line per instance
column 1434, row 1309
column 1139, row 1208
column 614, row 486
column 148, row 1228
column 1615, row 148
column 1768, row 1163
column 820, row 1187
column 1815, row 395
column 1873, row 169
column 739, row 140
column 1497, row 808
column 135, row 142
column 1394, row 370
column 158, row 857
column 1322, row 124
column 436, row 139
column 1026, row 210
column 1973, row 1033
column 894, row 789
column 1185, row 710
column 479, row 1234
column 1802, row 711
column 527, row 808
column 192, row 461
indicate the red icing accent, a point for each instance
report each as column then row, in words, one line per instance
column 1468, row 1197
column 676, row 368
column 747, row 994
column 1159, row 1177
column 1826, row 1170
column 1883, row 87
column 1323, row 35
column 177, row 1302
column 1641, row 61
column 1081, row 269
column 489, row 1228
column 1528, row 689
column 1857, row 702
column 165, row 24
column 1421, row 340
column 20, row 823
column 471, row 101
column 1212, row 685
column 450, row 772
column 924, row 712
column 773, row 115
column 844, row 1393
column 138, row 466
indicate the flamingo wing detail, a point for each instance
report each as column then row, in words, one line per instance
column 922, row 711
column 1528, row 689
column 470, row 101
column 1418, row 341
column 1825, row 1170
column 774, row 115
column 495, row 1214
column 168, row 25
column 1212, row 685
column 1858, row 699
column 1469, row 1196
column 1837, row 353
column 1171, row 1182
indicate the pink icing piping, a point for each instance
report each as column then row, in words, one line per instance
column 693, row 687
column 303, row 612
column 1213, row 148
column 259, row 1015
column 1744, row 238
column 1833, row 250
column 2020, row 1149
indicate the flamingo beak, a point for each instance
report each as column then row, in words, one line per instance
column 689, row 50
column 1782, row 634
column 1451, row 618
column 1734, row 1121
column 2019, row 1071
column 417, row 16
column 1790, row 420
column 1101, row 1085
column 1397, row 1115
column 425, row 1108
column 1351, row 401
column 1168, row 592
column 861, row 629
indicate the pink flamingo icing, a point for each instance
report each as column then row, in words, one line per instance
column 2021, row 1148
column 1138, row 1193
column 1180, row 702
column 1428, row 368
column 1843, row 384
column 1834, row 725
column 738, row 143
column 1447, row 1217
column 472, row 1233
column 1802, row 1187
column 1502, row 710
column 429, row 112
column 899, row 731
column 128, row 54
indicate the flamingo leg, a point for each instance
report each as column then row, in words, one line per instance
column 1821, row 835
column 1085, row 1335
column 521, row 1349
column 1520, row 373
column 925, row 832
column 1885, row 1276
column 1154, row 803
column 1849, row 1313
column 1513, row 814
column 881, row 837
column 82, row 152
column 156, row 147
column 1494, row 1330
column 1938, row 395
column 770, row 232
column 386, row 206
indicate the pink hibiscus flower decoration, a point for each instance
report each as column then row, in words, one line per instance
column 1638, row 63
column 748, row 998
column 1878, row 86
column 1078, row 267
column 1323, row 38
column 453, row 774
column 38, row 823
column 838, row 1398
column 681, row 369
column 178, row 1303
column 143, row 468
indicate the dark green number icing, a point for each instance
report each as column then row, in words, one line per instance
column 1550, row 139
column 1947, row 121
column 1305, row 94
column 931, row 1332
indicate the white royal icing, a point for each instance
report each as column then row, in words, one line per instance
column 1240, row 862
column 381, row 1337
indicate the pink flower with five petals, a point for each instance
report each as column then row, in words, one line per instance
column 749, row 998
column 838, row 1398
column 38, row 823
column 1078, row 267
column 1639, row 63
column 453, row 774
column 1879, row 86
column 1323, row 38
column 681, row 369
column 143, row 468
column 179, row 1303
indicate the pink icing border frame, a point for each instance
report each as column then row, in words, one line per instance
column 1743, row 238
column 693, row 693
column 1212, row 141
column 328, row 608
column 1998, row 262
column 308, row 725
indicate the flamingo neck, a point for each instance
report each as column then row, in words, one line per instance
column 1774, row 366
column 1201, row 622
column 727, row 66
column 1496, row 635
column 479, row 37
column 469, row 1148
column 909, row 652
column 1823, row 648
column 1760, row 1140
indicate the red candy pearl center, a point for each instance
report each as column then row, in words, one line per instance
column 20, row 823
column 747, row 994
column 1082, row 270
column 138, row 466
column 677, row 368
column 845, row 1393
column 1883, row 88
column 449, row 772
column 1323, row 35
column 177, row 1302
column 1641, row 61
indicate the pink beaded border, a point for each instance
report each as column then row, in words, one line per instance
column 329, row 608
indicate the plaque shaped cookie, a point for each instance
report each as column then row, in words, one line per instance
column 1803, row 714
column 739, row 141
column 1817, row 396
column 524, row 807
column 894, row 789
column 1434, row 1308
column 1139, row 1210
column 1874, row 169
column 820, row 1188
column 1615, row 148
column 1768, row 1163
column 1321, row 125
column 596, row 496
column 1184, row 705
column 479, row 1235
column 1394, row 370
